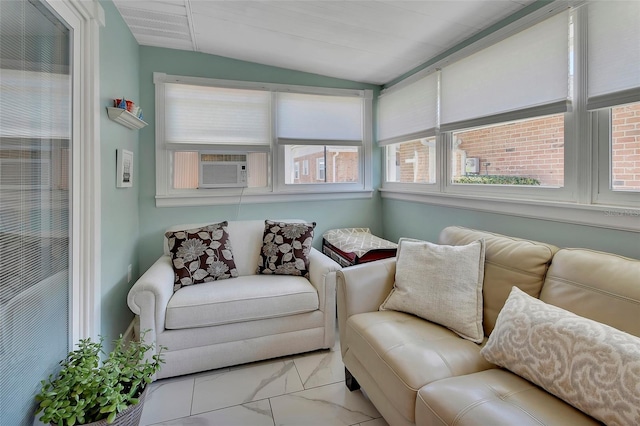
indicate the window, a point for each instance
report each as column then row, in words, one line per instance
column 500, row 140
column 412, row 162
column 406, row 129
column 321, row 175
column 492, row 137
column 278, row 129
column 324, row 129
column 517, row 115
column 525, row 152
column 613, row 91
column 618, row 155
column 625, row 148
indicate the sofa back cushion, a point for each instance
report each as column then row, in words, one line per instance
column 601, row 286
column 509, row 262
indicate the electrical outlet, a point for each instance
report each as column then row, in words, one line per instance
column 129, row 273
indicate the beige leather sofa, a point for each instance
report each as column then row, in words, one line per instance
column 234, row 321
column 418, row 372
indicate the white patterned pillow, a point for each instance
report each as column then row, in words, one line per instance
column 442, row 284
column 590, row 365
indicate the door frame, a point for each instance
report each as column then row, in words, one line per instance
column 84, row 17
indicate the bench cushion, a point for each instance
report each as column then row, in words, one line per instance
column 241, row 299
column 407, row 352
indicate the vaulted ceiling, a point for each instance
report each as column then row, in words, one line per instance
column 368, row 41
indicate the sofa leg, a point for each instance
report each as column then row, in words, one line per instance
column 350, row 381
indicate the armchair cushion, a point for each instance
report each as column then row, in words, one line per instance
column 285, row 248
column 201, row 255
column 245, row 298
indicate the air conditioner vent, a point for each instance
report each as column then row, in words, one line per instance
column 223, row 170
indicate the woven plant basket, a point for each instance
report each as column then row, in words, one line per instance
column 129, row 417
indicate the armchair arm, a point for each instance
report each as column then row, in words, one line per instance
column 322, row 275
column 149, row 296
column 362, row 288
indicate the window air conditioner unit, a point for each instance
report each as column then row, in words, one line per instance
column 222, row 170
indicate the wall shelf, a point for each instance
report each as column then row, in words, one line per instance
column 124, row 117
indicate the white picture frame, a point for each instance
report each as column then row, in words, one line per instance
column 124, row 168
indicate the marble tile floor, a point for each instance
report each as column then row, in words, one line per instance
column 306, row 389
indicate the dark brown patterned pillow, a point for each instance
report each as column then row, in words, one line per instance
column 285, row 248
column 201, row 255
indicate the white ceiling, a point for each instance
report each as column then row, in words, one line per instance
column 368, row 41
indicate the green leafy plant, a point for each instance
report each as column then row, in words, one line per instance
column 497, row 180
column 86, row 390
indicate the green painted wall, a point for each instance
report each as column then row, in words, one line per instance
column 119, row 76
column 153, row 220
column 409, row 219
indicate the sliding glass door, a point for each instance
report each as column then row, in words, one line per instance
column 35, row 202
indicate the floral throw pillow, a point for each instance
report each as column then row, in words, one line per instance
column 201, row 255
column 285, row 248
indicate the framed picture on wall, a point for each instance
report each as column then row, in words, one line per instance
column 124, row 168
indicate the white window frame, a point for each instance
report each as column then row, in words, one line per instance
column 305, row 167
column 276, row 190
column 585, row 198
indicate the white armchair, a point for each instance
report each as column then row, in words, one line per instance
column 239, row 320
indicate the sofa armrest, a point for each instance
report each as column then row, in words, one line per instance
column 149, row 296
column 362, row 288
column 322, row 275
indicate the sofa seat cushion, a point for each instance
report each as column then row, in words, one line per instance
column 407, row 352
column 246, row 298
column 493, row 397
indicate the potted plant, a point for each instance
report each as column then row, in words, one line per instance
column 87, row 391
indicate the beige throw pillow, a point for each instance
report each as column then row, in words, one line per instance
column 442, row 284
column 590, row 365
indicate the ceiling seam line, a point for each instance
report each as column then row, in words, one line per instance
column 187, row 4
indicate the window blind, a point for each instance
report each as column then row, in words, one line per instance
column 216, row 115
column 409, row 112
column 34, row 104
column 613, row 53
column 525, row 75
column 35, row 203
column 319, row 119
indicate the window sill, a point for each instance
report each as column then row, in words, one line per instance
column 195, row 198
column 602, row 216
